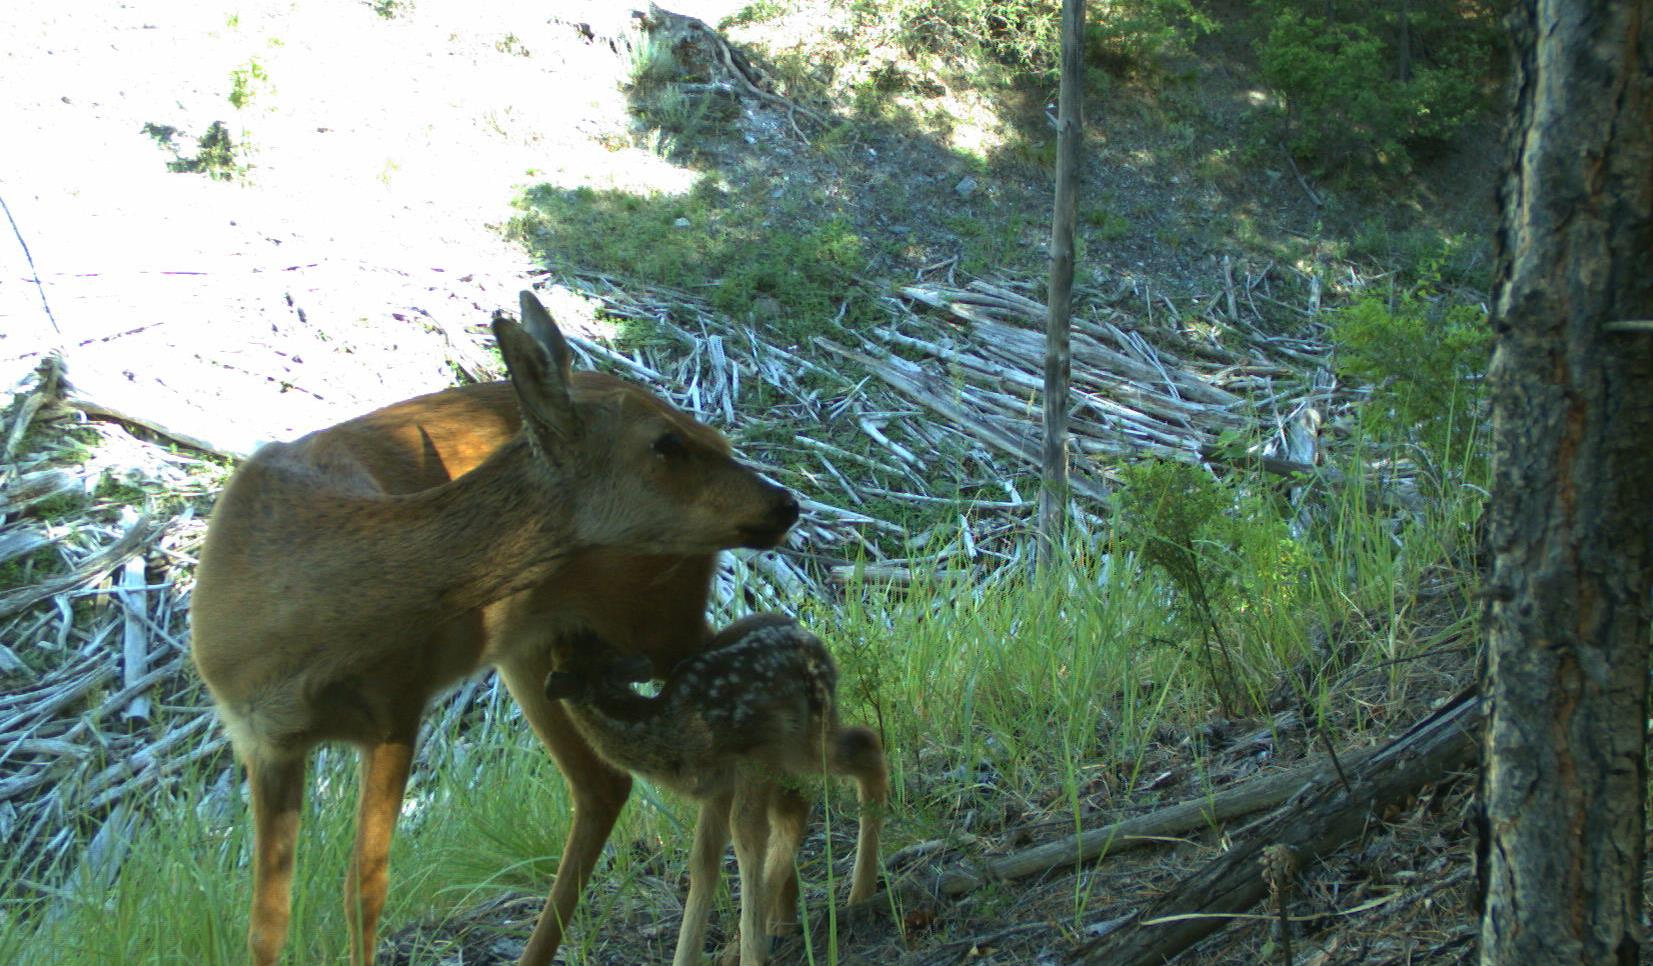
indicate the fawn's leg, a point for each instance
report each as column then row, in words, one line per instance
column 874, row 795
column 750, row 819
column 278, row 797
column 788, row 816
column 599, row 793
column 859, row 753
column 384, row 771
column 711, row 835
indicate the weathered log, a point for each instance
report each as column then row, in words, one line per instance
column 1336, row 813
column 1254, row 795
column 135, row 540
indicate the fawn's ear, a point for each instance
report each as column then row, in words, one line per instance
column 541, row 367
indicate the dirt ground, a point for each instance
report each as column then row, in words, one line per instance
column 379, row 152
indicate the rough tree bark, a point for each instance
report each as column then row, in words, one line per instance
column 1571, row 517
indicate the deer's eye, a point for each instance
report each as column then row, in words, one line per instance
column 670, row 446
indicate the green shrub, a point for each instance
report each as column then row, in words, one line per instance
column 804, row 273
column 217, row 154
column 246, row 82
column 1126, row 35
column 1424, row 357
column 1229, row 556
column 1345, row 101
column 1025, row 35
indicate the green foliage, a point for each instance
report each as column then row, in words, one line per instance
column 161, row 134
column 1229, row 555
column 1025, row 35
column 1346, row 103
column 246, row 81
column 791, row 281
column 1012, row 672
column 215, row 155
column 512, row 45
column 1424, row 354
column 1131, row 35
column 1110, row 225
column 1427, row 254
column 759, row 11
column 654, row 63
column 60, row 506
column 32, row 568
column 803, row 274
column 671, row 97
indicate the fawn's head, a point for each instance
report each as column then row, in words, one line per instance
column 642, row 475
column 585, row 663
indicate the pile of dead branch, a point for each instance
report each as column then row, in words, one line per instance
column 937, row 407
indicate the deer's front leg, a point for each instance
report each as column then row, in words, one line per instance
column 599, row 792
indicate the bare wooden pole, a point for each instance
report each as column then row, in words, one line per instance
column 1053, row 496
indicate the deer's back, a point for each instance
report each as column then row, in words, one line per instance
column 266, row 636
column 761, row 696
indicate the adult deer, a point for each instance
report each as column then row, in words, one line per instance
column 740, row 727
column 351, row 575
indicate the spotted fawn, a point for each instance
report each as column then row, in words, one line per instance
column 739, row 728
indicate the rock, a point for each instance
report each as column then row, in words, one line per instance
column 966, row 187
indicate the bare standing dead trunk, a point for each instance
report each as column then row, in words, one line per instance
column 1053, row 497
column 1571, row 518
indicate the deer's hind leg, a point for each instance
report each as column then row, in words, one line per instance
column 277, row 785
column 788, row 818
column 384, row 775
column 859, row 754
column 749, row 817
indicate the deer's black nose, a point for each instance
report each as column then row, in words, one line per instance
column 783, row 512
column 786, row 512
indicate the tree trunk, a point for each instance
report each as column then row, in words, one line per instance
column 1403, row 43
column 1053, row 495
column 1571, row 517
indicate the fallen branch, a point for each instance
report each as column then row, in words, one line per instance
column 135, row 540
column 1255, row 795
column 46, row 390
column 222, row 440
column 1334, row 815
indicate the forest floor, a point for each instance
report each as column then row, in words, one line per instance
column 396, row 179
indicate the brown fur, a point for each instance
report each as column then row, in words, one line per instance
column 737, row 727
column 350, row 576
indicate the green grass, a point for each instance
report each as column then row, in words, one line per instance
column 756, row 12
column 790, row 279
column 479, row 818
column 1007, row 687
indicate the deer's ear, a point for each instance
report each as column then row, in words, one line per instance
column 539, row 324
column 541, row 367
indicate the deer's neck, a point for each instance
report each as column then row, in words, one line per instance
column 503, row 527
column 631, row 732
